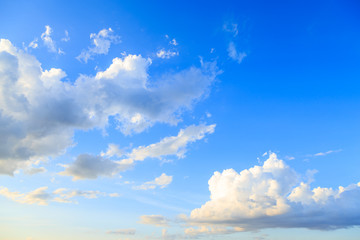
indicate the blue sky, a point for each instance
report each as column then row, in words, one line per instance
column 207, row 120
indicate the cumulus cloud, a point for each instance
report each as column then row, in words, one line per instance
column 162, row 181
column 272, row 196
column 41, row 196
column 234, row 53
column 101, row 43
column 129, row 231
column 157, row 220
column 49, row 42
column 88, row 166
column 39, row 111
column 166, row 54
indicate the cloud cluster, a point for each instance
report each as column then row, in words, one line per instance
column 100, row 44
column 162, row 181
column 271, row 196
column 166, row 54
column 41, row 196
column 88, row 166
column 39, row 111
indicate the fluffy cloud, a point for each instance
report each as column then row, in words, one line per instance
column 39, row 111
column 157, row 220
column 271, row 196
column 90, row 167
column 234, row 54
column 166, row 54
column 48, row 41
column 101, row 43
column 41, row 196
column 162, row 181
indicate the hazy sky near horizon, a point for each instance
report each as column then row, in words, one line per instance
column 179, row 120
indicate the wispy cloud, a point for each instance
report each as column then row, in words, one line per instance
column 326, row 153
column 41, row 196
column 88, row 166
column 157, row 220
column 49, row 42
column 128, row 231
column 234, row 53
column 162, row 181
column 100, row 44
column 166, row 54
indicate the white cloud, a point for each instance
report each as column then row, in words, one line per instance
column 129, row 231
column 271, row 196
column 326, row 153
column 39, row 111
column 113, row 150
column 49, row 42
column 234, row 53
column 231, row 28
column 41, row 196
column 34, row 43
column 66, row 38
column 87, row 166
column 157, row 220
column 162, row 181
column 101, row 43
column 174, row 42
column 166, row 54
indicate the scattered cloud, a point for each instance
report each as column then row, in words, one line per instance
column 157, row 220
column 39, row 111
column 32, row 170
column 162, row 181
column 34, row 44
column 234, row 53
column 49, row 42
column 66, row 38
column 272, row 196
column 231, row 28
column 166, row 54
column 129, row 231
column 88, row 166
column 41, row 196
column 174, row 42
column 326, row 153
column 101, row 43
column 113, row 150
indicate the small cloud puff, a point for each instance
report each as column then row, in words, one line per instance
column 162, row 182
column 101, row 43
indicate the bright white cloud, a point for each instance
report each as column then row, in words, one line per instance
column 39, row 111
column 34, row 43
column 162, row 181
column 49, row 42
column 113, row 150
column 101, row 43
column 234, row 53
column 271, row 196
column 87, row 166
column 166, row 54
column 157, row 220
column 41, row 196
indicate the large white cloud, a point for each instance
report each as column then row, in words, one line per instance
column 87, row 166
column 271, row 196
column 39, row 111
